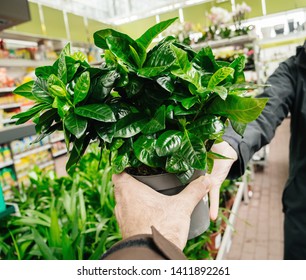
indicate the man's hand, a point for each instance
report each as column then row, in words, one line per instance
column 219, row 173
column 139, row 207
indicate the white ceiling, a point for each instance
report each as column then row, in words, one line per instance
column 117, row 11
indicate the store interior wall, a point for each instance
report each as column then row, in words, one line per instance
column 50, row 22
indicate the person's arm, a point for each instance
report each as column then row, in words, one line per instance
column 153, row 225
column 281, row 92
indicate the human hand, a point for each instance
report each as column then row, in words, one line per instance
column 219, row 173
column 139, row 207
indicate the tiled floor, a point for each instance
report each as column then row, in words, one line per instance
column 259, row 225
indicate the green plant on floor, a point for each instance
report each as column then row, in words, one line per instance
column 157, row 110
column 65, row 218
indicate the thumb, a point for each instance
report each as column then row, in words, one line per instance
column 194, row 192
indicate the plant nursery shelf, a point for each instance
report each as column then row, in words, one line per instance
column 239, row 40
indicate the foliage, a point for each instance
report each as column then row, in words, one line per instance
column 161, row 108
column 63, row 218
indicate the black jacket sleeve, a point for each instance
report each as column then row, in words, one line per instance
column 280, row 90
column 144, row 247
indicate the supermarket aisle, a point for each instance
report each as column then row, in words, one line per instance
column 259, row 225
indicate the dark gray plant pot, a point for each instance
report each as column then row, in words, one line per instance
column 169, row 184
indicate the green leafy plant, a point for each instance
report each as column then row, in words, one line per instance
column 156, row 110
column 69, row 218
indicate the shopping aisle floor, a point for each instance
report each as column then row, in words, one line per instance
column 259, row 225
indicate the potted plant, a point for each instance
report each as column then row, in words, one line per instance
column 157, row 110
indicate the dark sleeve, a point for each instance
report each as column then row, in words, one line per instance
column 280, row 91
column 144, row 247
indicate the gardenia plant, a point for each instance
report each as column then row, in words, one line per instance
column 157, row 110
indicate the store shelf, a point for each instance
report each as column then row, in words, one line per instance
column 8, row 134
column 6, row 163
column 285, row 39
column 59, row 153
column 44, row 165
column 10, row 106
column 6, row 121
column 7, row 89
column 33, row 151
column 238, row 40
column 57, row 139
column 227, row 236
column 23, row 63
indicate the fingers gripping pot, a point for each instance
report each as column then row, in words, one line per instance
column 169, row 184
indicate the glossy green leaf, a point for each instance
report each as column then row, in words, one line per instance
column 78, row 150
column 45, row 120
column 81, row 87
column 66, row 51
column 187, row 103
column 101, row 86
column 220, row 75
column 169, row 142
column 135, row 56
column 207, row 127
column 32, row 111
column 44, row 72
column 41, row 92
column 185, row 69
column 193, row 150
column 62, row 69
column 146, row 38
column 58, row 91
column 130, row 125
column 105, row 131
column 238, row 127
column 205, row 59
column 185, row 177
column 120, row 163
column 134, row 86
column 181, row 111
column 116, row 144
column 99, row 112
column 239, row 109
column 221, row 91
column 176, row 163
column 158, row 60
column 25, row 90
column 79, row 56
column 157, row 122
column 72, row 68
column 62, row 107
column 75, row 124
column 144, row 149
column 121, row 49
column 53, row 80
column 166, row 83
column 101, row 35
column 238, row 64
